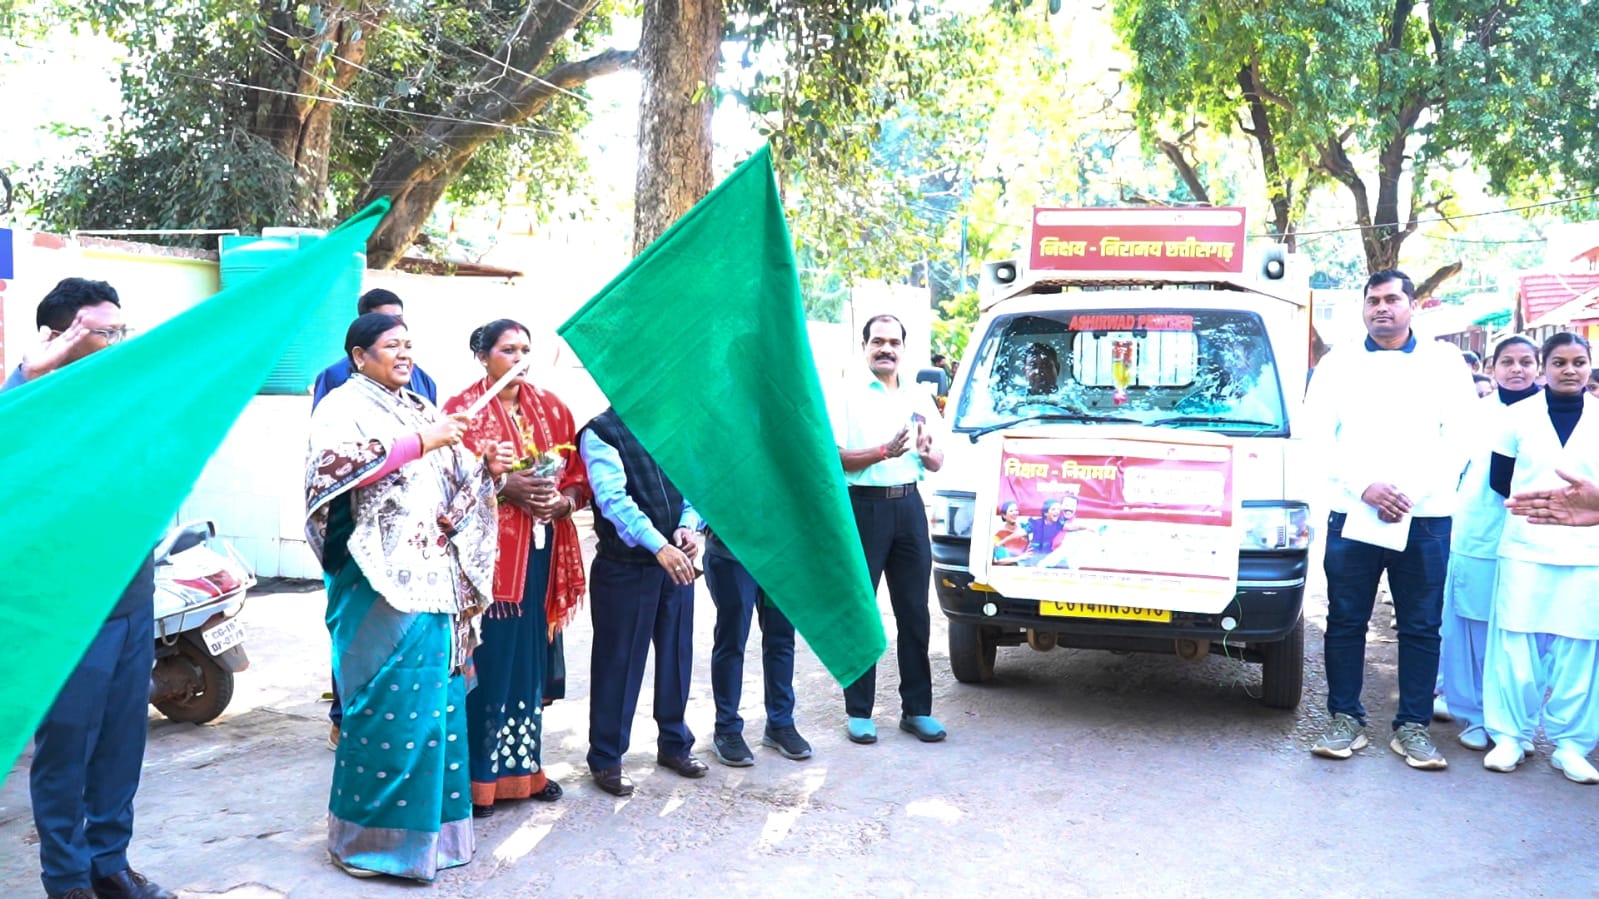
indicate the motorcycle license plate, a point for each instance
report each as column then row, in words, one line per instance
column 224, row 636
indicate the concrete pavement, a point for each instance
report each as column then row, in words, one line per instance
column 1075, row 773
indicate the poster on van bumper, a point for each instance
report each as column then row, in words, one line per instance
column 1128, row 524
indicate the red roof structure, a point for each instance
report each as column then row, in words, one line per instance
column 1542, row 293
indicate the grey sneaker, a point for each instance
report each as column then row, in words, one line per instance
column 1413, row 742
column 731, row 750
column 787, row 741
column 1343, row 736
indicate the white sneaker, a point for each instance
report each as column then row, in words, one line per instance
column 1504, row 757
column 1440, row 709
column 1575, row 766
column 1474, row 738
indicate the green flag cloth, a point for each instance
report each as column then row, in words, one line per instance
column 98, row 455
column 700, row 345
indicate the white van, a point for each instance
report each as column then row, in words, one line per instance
column 1120, row 472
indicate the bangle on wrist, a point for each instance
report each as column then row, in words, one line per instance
column 882, row 452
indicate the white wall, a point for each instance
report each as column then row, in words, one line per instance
column 253, row 486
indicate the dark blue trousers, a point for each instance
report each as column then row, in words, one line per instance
column 1416, row 577
column 87, row 754
column 633, row 606
column 738, row 598
column 897, row 546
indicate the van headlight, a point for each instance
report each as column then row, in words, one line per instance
column 1275, row 526
column 953, row 514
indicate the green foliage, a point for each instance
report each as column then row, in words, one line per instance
column 176, row 181
column 953, row 327
column 1416, row 91
column 194, row 147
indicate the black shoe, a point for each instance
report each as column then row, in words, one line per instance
column 482, row 811
column 787, row 740
column 129, row 884
column 74, row 893
column 551, row 792
column 613, row 781
column 685, row 764
column 732, row 751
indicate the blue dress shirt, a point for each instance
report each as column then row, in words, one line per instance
column 608, row 480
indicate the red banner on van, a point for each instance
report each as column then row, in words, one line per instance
column 1196, row 240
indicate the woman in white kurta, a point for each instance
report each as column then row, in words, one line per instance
column 1474, row 544
column 1543, row 633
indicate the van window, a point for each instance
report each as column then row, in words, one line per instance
column 1199, row 368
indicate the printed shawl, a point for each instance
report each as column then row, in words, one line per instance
column 424, row 534
column 546, row 423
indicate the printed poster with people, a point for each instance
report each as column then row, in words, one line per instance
column 1112, row 527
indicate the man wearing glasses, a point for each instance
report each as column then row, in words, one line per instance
column 75, row 319
column 88, row 749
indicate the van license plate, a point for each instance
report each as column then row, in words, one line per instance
column 224, row 636
column 1091, row 610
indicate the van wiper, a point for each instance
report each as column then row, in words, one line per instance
column 1214, row 420
column 1052, row 416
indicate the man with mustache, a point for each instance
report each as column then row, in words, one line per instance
column 884, row 431
column 1387, row 417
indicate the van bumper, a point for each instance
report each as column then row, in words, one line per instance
column 1266, row 608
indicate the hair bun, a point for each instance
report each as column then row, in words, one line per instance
column 475, row 342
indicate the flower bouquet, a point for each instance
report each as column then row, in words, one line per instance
column 545, row 463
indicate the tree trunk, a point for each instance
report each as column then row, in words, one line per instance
column 678, row 59
column 297, row 123
column 414, row 173
column 1279, row 190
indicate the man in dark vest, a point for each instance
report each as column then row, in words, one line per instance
column 641, row 590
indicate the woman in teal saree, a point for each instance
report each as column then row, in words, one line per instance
column 404, row 523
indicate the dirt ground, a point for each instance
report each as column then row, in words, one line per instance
column 1075, row 773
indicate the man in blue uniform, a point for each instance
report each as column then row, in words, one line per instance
column 89, row 748
column 641, row 593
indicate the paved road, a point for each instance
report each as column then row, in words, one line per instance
column 1074, row 774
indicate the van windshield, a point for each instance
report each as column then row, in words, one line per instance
column 1192, row 368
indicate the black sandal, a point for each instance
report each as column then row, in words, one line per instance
column 551, row 792
column 482, row 811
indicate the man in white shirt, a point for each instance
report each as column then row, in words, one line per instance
column 1388, row 418
column 884, row 431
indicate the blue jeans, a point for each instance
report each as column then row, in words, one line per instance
column 1416, row 577
column 737, row 598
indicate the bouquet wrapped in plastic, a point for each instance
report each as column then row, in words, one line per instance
column 545, row 463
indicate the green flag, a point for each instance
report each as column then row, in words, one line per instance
column 98, row 455
column 700, row 345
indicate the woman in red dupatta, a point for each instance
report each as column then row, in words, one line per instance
column 538, row 578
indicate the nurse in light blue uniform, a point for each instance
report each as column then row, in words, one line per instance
column 1543, row 631
column 1474, row 545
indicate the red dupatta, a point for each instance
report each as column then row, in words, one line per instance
column 546, row 423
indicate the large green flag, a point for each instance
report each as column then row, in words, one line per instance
column 700, row 345
column 98, row 456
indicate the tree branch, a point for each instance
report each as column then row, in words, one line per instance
column 1190, row 175
column 1432, row 282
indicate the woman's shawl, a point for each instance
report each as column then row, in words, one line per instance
column 425, row 533
column 548, row 424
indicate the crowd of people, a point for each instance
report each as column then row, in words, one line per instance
column 1495, row 614
column 452, row 565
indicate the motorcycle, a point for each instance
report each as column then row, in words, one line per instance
column 200, row 584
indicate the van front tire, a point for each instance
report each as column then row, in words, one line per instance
column 1282, row 669
column 971, row 652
